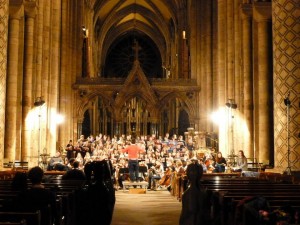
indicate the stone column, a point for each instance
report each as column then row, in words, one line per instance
column 15, row 12
column 54, row 76
column 30, row 12
column 39, row 49
column 202, row 76
column 262, row 15
column 4, row 12
column 246, row 11
column 286, row 45
column 45, row 72
column 223, row 130
column 64, row 131
column 208, row 66
column 229, row 50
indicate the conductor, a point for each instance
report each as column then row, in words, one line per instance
column 133, row 151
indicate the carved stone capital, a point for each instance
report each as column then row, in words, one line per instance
column 246, row 11
column 30, row 8
column 262, row 11
column 16, row 9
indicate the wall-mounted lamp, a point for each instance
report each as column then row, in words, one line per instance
column 231, row 104
column 183, row 35
column 84, row 31
column 39, row 101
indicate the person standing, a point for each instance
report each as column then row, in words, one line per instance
column 133, row 151
column 70, row 150
column 195, row 200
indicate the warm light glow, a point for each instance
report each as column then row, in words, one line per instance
column 183, row 34
column 35, row 116
column 59, row 119
column 219, row 117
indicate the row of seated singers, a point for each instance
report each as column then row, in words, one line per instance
column 157, row 176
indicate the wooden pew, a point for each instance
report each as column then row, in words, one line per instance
column 225, row 195
column 64, row 190
column 22, row 222
column 31, row 218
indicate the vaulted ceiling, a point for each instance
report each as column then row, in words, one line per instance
column 154, row 22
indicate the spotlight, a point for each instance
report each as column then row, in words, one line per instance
column 39, row 101
column 84, row 31
column 231, row 105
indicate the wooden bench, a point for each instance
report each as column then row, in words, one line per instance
column 225, row 195
column 31, row 218
column 64, row 190
column 22, row 222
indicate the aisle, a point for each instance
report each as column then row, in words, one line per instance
column 152, row 208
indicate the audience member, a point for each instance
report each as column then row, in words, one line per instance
column 19, row 181
column 38, row 198
column 98, row 203
column 75, row 173
column 194, row 199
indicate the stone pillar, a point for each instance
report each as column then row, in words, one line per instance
column 221, row 65
column 64, row 131
column 3, row 70
column 39, row 49
column 208, row 65
column 202, row 76
column 43, row 86
column 262, row 15
column 286, row 29
column 229, row 50
column 15, row 13
column 246, row 11
column 30, row 13
column 54, row 76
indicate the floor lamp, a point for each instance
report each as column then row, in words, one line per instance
column 231, row 105
column 39, row 102
column 287, row 103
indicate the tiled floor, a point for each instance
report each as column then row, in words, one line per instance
column 152, row 208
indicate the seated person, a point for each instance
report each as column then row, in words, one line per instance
column 155, row 173
column 37, row 197
column 241, row 164
column 220, row 163
column 56, row 163
column 75, row 173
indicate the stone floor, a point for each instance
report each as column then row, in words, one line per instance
column 152, row 208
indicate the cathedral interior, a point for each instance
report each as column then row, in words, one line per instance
column 226, row 71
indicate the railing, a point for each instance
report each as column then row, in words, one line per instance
column 121, row 81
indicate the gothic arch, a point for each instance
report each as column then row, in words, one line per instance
column 188, row 105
